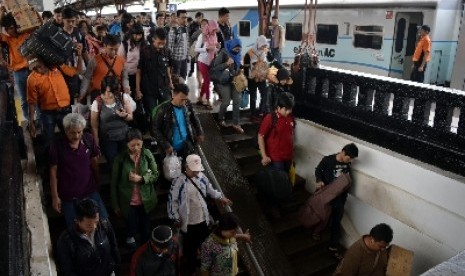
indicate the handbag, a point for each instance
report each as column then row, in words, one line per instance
column 245, row 99
column 211, row 204
column 240, row 82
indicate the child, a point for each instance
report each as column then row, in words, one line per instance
column 275, row 136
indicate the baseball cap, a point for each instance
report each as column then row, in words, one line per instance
column 194, row 163
column 162, row 236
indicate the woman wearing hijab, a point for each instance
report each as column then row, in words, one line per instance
column 207, row 45
column 257, row 68
column 229, row 58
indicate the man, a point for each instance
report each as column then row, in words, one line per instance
column 17, row 63
column 105, row 64
column 158, row 256
column 160, row 20
column 421, row 56
column 74, row 169
column 193, row 28
column 178, row 44
column 225, row 32
column 57, row 17
column 146, row 22
column 88, row 247
column 368, row 255
column 176, row 126
column 153, row 76
column 329, row 168
column 47, row 15
column 277, row 39
column 187, row 206
column 46, row 87
column 69, row 28
column 115, row 27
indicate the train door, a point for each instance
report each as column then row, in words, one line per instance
column 403, row 46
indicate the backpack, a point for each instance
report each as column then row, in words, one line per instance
column 219, row 76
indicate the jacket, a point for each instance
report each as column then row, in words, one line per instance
column 76, row 256
column 163, row 124
column 146, row 262
column 178, row 203
column 121, row 188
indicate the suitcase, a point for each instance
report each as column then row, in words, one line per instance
column 50, row 43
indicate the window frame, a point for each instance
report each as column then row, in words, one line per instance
column 368, row 33
column 330, row 41
column 293, row 25
column 239, row 27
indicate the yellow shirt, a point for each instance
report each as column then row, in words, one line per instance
column 17, row 61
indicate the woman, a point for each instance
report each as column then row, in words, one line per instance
column 219, row 251
column 133, row 194
column 187, row 206
column 130, row 49
column 110, row 113
column 93, row 44
column 207, row 46
column 256, row 63
column 229, row 59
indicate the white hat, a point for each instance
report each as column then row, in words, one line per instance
column 194, row 163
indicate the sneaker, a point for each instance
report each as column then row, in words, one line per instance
column 131, row 243
column 238, row 129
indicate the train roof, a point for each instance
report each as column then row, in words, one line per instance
column 216, row 4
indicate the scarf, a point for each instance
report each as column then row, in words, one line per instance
column 229, row 46
column 209, row 37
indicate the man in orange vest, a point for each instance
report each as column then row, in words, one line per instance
column 421, row 56
column 104, row 64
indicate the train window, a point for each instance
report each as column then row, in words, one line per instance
column 326, row 34
column 294, row 31
column 369, row 36
column 244, row 28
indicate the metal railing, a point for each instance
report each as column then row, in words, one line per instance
column 422, row 121
column 228, row 208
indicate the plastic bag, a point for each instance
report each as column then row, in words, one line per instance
column 171, row 166
column 245, row 99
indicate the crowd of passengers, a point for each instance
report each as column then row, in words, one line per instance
column 133, row 72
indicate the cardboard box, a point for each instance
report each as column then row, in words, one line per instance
column 400, row 261
column 14, row 4
column 26, row 18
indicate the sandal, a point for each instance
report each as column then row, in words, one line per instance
column 238, row 129
column 316, row 237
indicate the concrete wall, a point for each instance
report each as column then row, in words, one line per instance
column 422, row 204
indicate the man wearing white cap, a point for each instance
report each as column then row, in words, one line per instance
column 187, row 206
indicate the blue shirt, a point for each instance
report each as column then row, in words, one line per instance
column 179, row 129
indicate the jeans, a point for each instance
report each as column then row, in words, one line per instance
column 205, row 90
column 67, row 208
column 281, row 165
column 110, row 149
column 228, row 92
column 20, row 81
column 50, row 119
column 180, row 68
column 253, row 85
column 276, row 52
column 138, row 221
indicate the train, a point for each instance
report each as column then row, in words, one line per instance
column 377, row 36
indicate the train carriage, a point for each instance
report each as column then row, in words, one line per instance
column 369, row 36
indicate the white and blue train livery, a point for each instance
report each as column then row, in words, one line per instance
column 376, row 36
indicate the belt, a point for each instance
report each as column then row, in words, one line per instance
column 60, row 109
